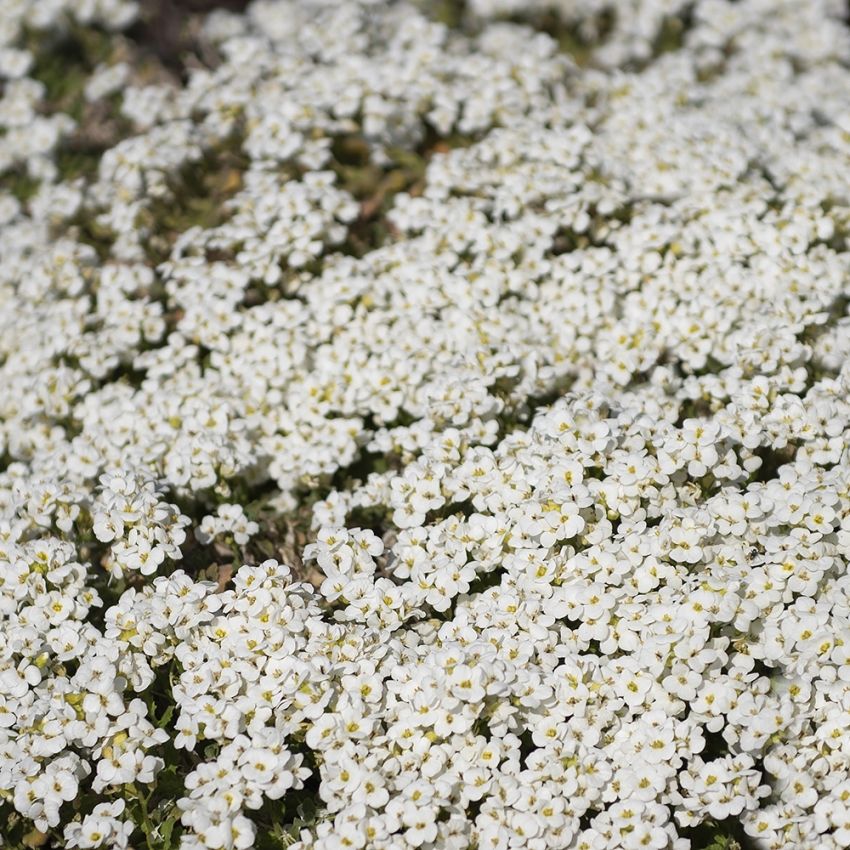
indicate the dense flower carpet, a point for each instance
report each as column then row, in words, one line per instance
column 425, row 425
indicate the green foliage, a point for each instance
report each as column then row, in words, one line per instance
column 725, row 834
column 375, row 186
column 724, row 842
column 63, row 65
column 73, row 163
column 448, row 12
column 197, row 197
column 20, row 184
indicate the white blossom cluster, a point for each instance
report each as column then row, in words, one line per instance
column 228, row 520
column 30, row 138
column 574, row 433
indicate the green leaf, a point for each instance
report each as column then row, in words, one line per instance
column 723, row 842
column 169, row 782
column 166, row 717
column 167, row 828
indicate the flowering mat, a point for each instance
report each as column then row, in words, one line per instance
column 425, row 426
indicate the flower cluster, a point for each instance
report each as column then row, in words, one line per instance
column 228, row 520
column 146, row 530
column 427, row 433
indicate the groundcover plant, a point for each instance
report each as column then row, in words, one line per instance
column 425, row 426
